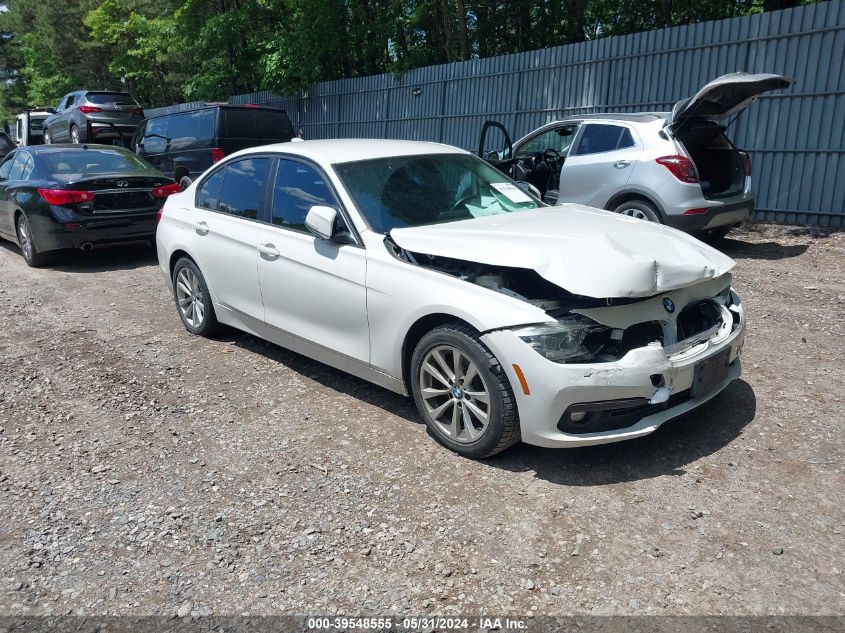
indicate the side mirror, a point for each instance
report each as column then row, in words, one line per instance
column 490, row 156
column 320, row 221
column 527, row 187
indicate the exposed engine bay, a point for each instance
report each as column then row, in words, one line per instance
column 697, row 321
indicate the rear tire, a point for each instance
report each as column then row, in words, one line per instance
column 639, row 209
column 48, row 139
column 452, row 374
column 31, row 255
column 193, row 301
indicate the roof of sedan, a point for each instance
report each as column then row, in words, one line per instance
column 38, row 149
column 348, row 150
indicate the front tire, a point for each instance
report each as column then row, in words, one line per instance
column 193, row 301
column 462, row 393
column 48, row 139
column 639, row 209
column 74, row 134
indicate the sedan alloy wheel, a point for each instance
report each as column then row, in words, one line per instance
column 189, row 296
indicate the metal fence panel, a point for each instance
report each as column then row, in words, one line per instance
column 796, row 137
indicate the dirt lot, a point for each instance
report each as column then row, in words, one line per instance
column 147, row 471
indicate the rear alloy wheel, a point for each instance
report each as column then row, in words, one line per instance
column 462, row 393
column 74, row 134
column 48, row 140
column 193, row 300
column 31, row 255
column 639, row 209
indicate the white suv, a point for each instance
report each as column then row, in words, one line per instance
column 678, row 167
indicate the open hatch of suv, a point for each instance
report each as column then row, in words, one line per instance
column 679, row 168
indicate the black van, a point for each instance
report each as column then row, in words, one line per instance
column 187, row 143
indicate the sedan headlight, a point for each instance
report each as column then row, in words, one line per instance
column 560, row 342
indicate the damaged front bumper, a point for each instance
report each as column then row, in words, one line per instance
column 565, row 405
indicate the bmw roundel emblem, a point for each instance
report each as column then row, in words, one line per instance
column 668, row 304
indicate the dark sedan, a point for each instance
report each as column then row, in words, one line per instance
column 55, row 197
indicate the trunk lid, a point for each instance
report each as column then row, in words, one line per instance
column 120, row 194
column 724, row 96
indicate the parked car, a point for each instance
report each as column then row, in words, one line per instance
column 90, row 116
column 419, row 267
column 679, row 168
column 185, row 144
column 6, row 144
column 64, row 196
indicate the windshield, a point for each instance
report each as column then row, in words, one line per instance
column 70, row 164
column 429, row 189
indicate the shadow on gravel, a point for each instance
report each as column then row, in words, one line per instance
column 123, row 257
column 758, row 250
column 335, row 379
column 667, row 451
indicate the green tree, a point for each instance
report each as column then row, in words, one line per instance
column 142, row 38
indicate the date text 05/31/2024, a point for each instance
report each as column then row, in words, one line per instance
column 414, row 624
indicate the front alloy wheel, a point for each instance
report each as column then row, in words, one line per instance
column 462, row 392
column 454, row 394
column 74, row 134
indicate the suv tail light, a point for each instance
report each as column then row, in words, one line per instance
column 746, row 161
column 61, row 197
column 680, row 166
column 217, row 154
column 89, row 109
column 165, row 190
column 138, row 111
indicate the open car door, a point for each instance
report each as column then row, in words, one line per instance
column 503, row 162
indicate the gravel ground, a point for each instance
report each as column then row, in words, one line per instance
column 147, row 471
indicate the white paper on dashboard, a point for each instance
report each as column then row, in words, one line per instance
column 511, row 192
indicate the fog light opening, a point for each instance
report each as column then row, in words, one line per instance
column 657, row 380
column 577, row 416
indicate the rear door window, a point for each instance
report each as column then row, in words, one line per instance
column 191, row 130
column 243, row 187
column 600, row 137
column 18, row 165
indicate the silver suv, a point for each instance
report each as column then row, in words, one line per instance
column 678, row 167
column 93, row 116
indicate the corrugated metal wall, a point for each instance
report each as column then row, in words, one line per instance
column 796, row 137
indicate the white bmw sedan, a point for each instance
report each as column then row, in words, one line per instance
column 420, row 268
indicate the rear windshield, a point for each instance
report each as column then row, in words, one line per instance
column 110, row 98
column 73, row 164
column 257, row 124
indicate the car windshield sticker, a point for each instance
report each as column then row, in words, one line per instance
column 511, row 192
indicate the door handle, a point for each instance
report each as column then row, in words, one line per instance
column 619, row 164
column 269, row 251
column 201, row 228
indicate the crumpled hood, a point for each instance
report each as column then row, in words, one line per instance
column 583, row 250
